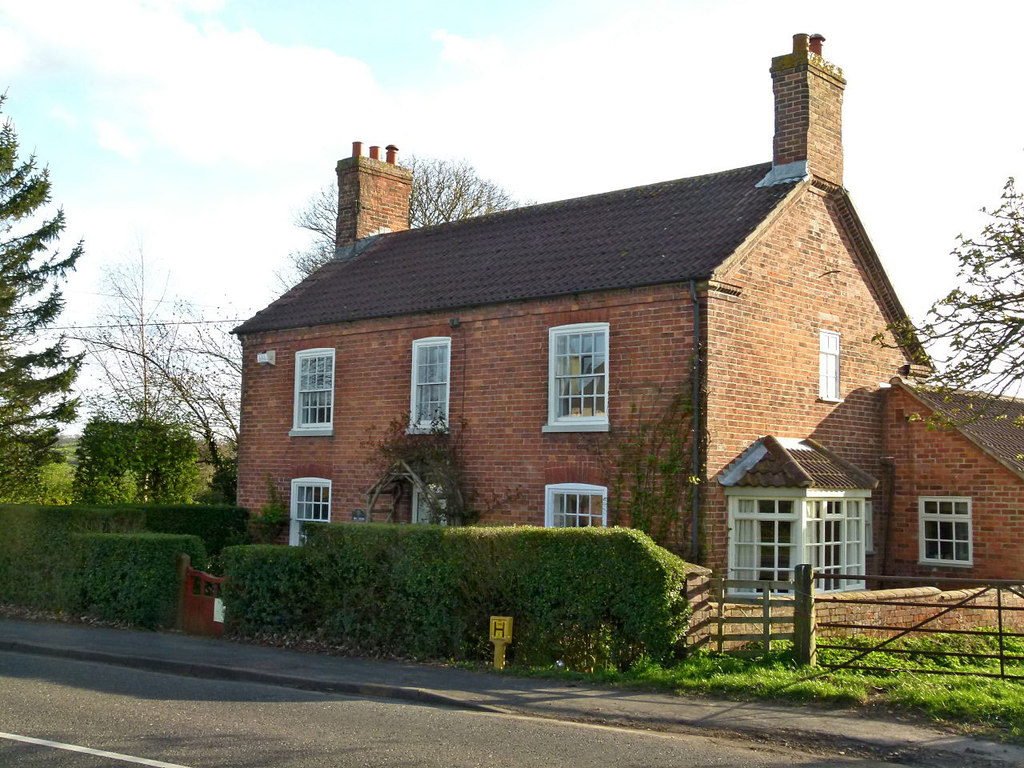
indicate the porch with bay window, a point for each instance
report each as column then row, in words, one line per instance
column 794, row 501
column 770, row 534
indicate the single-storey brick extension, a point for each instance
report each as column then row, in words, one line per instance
column 550, row 334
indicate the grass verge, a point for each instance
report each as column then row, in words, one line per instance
column 978, row 705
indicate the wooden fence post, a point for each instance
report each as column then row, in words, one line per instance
column 184, row 564
column 804, row 630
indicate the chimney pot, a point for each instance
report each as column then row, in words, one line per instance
column 815, row 43
column 357, row 149
column 392, row 153
column 375, row 153
column 800, row 43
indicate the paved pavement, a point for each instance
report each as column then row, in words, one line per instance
column 832, row 729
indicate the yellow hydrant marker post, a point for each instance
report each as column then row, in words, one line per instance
column 501, row 636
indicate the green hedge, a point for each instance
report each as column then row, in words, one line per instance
column 217, row 526
column 588, row 597
column 37, row 569
column 36, row 545
column 131, row 578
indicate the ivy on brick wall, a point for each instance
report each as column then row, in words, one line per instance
column 650, row 468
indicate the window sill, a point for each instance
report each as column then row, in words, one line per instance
column 832, row 400
column 306, row 432
column 418, row 430
column 944, row 564
column 591, row 427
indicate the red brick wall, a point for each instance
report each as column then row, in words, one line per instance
column 800, row 276
column 499, row 380
column 935, row 462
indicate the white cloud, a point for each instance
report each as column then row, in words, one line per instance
column 110, row 136
column 468, row 52
column 209, row 94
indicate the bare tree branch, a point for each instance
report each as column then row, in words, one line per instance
column 442, row 191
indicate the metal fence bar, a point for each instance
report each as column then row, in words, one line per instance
column 913, row 652
column 1014, row 584
column 999, row 602
column 912, row 604
column 955, row 673
column 921, row 630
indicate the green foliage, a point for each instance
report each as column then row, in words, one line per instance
column 650, row 467
column 143, row 461
column 34, row 551
column 588, row 597
column 268, row 525
column 35, row 548
column 975, row 333
column 217, row 526
column 270, row 589
column 35, row 376
column 55, row 483
column 131, row 578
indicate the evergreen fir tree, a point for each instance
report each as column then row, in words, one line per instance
column 36, row 371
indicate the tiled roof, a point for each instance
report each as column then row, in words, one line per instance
column 662, row 233
column 994, row 424
column 772, row 462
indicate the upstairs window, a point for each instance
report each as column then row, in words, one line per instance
column 944, row 530
column 578, row 378
column 575, row 505
column 314, row 391
column 431, row 363
column 828, row 366
column 311, row 503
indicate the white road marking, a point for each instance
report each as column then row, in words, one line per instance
column 88, row 751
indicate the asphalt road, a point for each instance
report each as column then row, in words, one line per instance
column 153, row 719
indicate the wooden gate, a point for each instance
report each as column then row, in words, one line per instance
column 201, row 611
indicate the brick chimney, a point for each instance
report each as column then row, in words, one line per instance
column 808, row 114
column 373, row 195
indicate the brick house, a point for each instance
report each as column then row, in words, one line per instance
column 958, row 491
column 550, row 332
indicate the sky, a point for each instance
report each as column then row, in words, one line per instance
column 194, row 130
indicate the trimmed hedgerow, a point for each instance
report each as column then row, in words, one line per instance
column 588, row 597
column 35, row 548
column 131, row 578
column 217, row 526
column 271, row 589
column 40, row 560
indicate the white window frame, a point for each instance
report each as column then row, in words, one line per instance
column 298, row 518
column 416, row 422
column 829, row 358
column 953, row 517
column 577, row 489
column 869, row 527
column 421, row 512
column 577, row 423
column 300, row 428
column 810, row 539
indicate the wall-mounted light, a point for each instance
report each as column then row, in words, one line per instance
column 267, row 358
